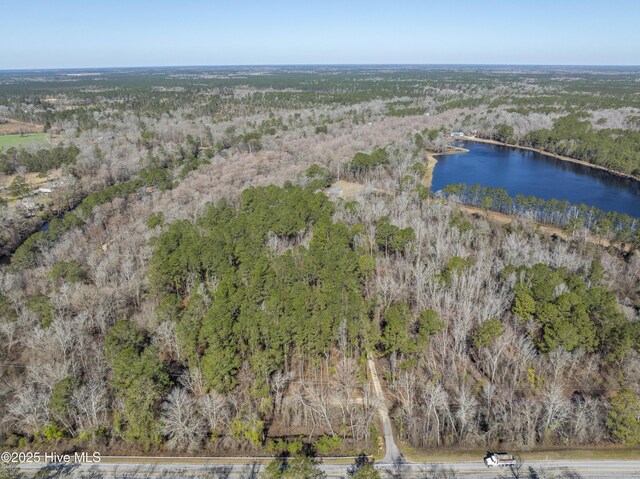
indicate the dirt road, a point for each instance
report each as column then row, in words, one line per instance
column 392, row 453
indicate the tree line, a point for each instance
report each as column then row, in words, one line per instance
column 571, row 217
column 14, row 160
column 574, row 136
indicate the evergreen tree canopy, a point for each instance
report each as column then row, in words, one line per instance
column 624, row 417
column 568, row 314
column 234, row 298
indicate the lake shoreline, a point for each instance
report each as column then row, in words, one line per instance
column 552, row 155
column 428, row 174
column 504, row 219
column 432, row 161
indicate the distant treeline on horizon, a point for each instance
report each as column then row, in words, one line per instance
column 321, row 66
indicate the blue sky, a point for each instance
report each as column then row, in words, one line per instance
column 94, row 33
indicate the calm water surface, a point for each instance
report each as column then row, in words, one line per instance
column 533, row 174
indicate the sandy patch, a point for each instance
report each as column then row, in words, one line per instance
column 348, row 190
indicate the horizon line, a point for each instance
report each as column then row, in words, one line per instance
column 280, row 65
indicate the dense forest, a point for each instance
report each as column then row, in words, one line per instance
column 204, row 261
column 574, row 136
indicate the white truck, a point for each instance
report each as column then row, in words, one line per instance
column 499, row 459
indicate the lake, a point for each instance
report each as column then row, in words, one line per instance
column 534, row 174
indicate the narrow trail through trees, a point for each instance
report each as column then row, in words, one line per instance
column 392, row 454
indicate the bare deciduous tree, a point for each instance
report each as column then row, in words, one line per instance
column 181, row 422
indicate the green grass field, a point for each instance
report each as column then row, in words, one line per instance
column 7, row 141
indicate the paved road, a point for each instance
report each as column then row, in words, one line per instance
column 533, row 470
